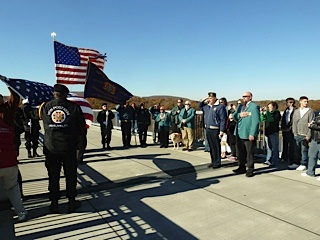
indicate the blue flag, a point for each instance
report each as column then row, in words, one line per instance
column 35, row 92
column 98, row 85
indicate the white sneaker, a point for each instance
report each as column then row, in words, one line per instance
column 22, row 216
column 301, row 168
column 304, row 174
column 267, row 162
column 293, row 166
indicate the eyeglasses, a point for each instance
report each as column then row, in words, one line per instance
column 245, row 96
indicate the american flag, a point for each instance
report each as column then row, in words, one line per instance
column 71, row 63
column 37, row 93
column 85, row 107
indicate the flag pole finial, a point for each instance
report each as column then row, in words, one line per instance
column 53, row 35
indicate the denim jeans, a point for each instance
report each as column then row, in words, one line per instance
column 269, row 152
column 301, row 149
column 313, row 152
column 273, row 142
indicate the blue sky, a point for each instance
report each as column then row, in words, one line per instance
column 173, row 47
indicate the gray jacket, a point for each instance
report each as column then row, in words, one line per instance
column 300, row 125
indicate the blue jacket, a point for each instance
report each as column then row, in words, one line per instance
column 215, row 117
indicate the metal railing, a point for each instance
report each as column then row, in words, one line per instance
column 199, row 130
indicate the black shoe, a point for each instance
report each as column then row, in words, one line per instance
column 216, row 166
column 161, row 146
column 54, row 207
column 184, row 149
column 73, row 205
column 109, row 148
column 249, row 174
column 239, row 171
column 35, row 154
column 190, row 150
column 210, row 165
column 29, row 154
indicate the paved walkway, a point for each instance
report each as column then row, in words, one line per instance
column 153, row 193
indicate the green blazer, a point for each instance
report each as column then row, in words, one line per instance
column 189, row 119
column 248, row 125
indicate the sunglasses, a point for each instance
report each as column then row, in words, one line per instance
column 187, row 104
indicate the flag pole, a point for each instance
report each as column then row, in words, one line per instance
column 53, row 35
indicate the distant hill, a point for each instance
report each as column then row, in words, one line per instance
column 170, row 101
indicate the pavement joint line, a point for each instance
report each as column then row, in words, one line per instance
column 252, row 208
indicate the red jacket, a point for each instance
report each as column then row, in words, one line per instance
column 8, row 153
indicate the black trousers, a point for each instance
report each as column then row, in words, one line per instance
column 32, row 139
column 213, row 139
column 53, row 163
column 142, row 129
column 289, row 147
column 126, row 133
column 105, row 135
column 164, row 137
column 245, row 153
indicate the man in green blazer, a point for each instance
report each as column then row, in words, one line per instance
column 247, row 116
column 186, row 118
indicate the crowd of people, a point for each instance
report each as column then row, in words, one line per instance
column 229, row 131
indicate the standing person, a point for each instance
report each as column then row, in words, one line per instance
column 287, row 135
column 8, row 154
column 64, row 124
column 164, row 123
column 143, row 119
column 175, row 116
column 155, row 110
column 231, row 126
column 126, row 116
column 134, row 122
column 247, row 116
column 186, row 118
column 18, row 130
column 271, row 116
column 215, row 117
column 224, row 139
column 301, row 117
column 105, row 117
column 32, row 128
column 314, row 148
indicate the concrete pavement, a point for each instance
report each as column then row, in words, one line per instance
column 153, row 193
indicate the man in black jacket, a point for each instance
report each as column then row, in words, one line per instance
column 105, row 117
column 126, row 113
column 143, row 119
column 287, row 135
column 31, row 128
column 64, row 124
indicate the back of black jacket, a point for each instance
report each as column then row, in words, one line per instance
column 63, row 123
